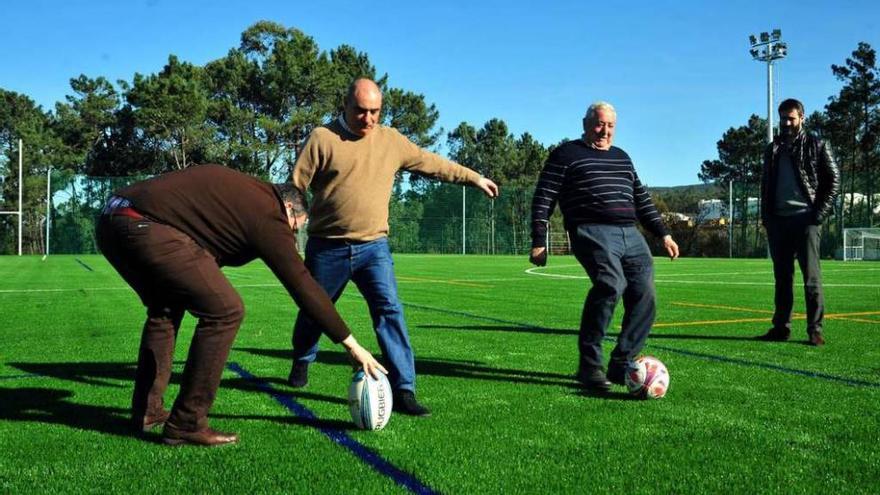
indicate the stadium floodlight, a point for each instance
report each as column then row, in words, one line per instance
column 769, row 49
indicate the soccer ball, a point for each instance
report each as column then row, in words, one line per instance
column 647, row 378
column 369, row 401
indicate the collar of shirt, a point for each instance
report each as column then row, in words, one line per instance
column 345, row 125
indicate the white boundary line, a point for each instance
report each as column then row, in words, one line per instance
column 663, row 279
column 78, row 289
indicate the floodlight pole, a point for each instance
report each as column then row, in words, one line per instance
column 768, row 47
column 20, row 191
column 463, row 222
column 730, row 221
column 48, row 205
column 770, row 101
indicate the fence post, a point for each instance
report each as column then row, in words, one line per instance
column 463, row 221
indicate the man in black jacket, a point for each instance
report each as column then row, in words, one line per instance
column 799, row 184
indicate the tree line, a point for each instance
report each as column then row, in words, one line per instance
column 253, row 109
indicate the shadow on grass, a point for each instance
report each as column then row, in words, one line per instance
column 53, row 406
column 442, row 367
column 612, row 395
column 567, row 331
column 106, row 374
column 504, row 328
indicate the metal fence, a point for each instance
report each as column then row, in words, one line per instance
column 430, row 218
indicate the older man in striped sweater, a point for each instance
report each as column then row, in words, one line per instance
column 601, row 199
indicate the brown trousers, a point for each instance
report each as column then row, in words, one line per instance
column 173, row 274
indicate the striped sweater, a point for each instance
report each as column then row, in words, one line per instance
column 591, row 186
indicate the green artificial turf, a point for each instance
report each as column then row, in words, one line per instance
column 495, row 352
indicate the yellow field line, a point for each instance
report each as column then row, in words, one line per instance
column 715, row 306
column 796, row 316
column 863, row 313
column 436, row 281
column 708, row 322
column 860, row 320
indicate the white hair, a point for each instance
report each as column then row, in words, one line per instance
column 596, row 106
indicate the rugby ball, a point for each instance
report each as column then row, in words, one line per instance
column 648, row 378
column 369, row 400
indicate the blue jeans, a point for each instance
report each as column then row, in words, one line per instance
column 333, row 263
column 619, row 264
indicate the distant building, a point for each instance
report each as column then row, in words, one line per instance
column 715, row 210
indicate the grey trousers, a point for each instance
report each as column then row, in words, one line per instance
column 789, row 238
column 620, row 265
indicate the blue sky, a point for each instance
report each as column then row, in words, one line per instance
column 679, row 73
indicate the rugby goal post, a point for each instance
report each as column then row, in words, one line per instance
column 19, row 211
column 861, row 244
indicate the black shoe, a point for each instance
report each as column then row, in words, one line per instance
column 816, row 339
column 405, row 403
column 593, row 379
column 617, row 374
column 775, row 335
column 299, row 374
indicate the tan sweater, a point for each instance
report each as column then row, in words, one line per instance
column 351, row 178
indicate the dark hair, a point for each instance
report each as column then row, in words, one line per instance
column 290, row 194
column 791, row 104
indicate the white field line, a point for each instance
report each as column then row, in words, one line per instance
column 22, row 291
column 664, row 278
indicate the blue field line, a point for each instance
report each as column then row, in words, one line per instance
column 339, row 437
column 477, row 317
column 16, row 377
column 711, row 357
column 793, row 371
column 87, row 267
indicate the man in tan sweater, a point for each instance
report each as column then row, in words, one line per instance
column 350, row 166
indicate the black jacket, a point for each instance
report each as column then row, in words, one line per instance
column 816, row 172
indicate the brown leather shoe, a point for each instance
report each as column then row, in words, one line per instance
column 206, row 438
column 816, row 339
column 147, row 423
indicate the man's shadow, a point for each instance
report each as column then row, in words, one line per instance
column 56, row 406
column 53, row 406
column 574, row 331
column 441, row 367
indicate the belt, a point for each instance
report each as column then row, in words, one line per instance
column 118, row 206
column 126, row 212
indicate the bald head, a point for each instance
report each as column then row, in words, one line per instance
column 363, row 106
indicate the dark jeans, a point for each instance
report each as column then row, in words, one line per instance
column 789, row 238
column 173, row 274
column 619, row 264
column 333, row 263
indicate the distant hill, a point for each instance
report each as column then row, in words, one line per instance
column 686, row 199
column 710, row 190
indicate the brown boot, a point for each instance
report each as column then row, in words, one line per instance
column 816, row 339
column 206, row 437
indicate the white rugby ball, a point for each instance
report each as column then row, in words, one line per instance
column 648, row 378
column 369, row 401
